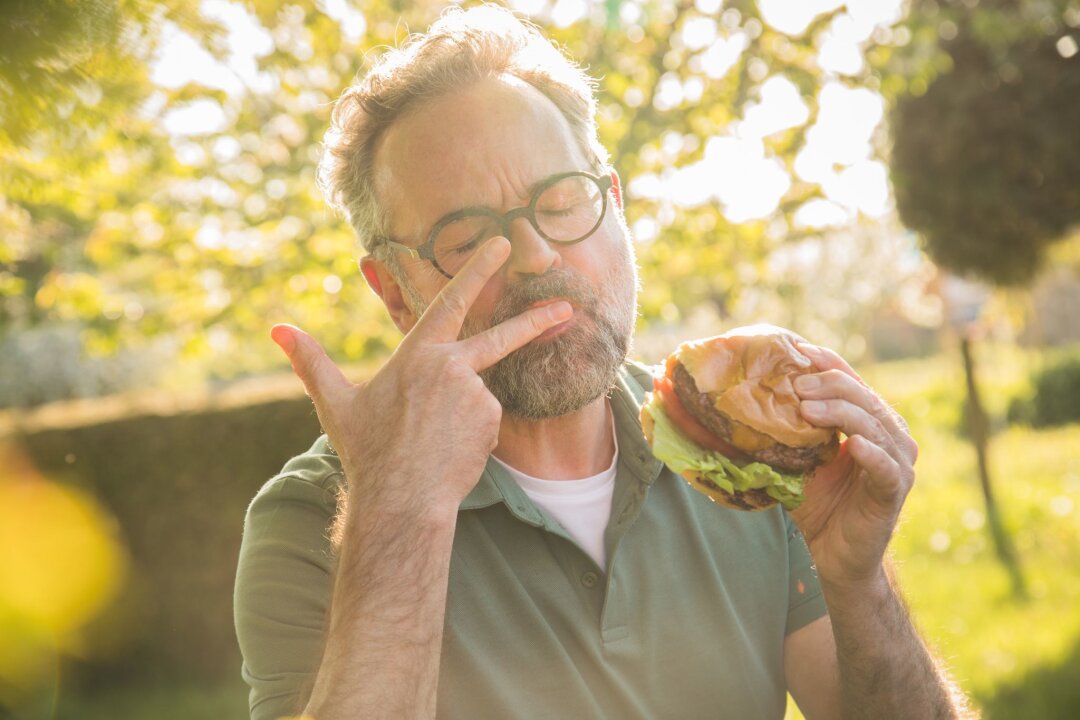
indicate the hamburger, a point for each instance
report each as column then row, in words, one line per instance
column 725, row 416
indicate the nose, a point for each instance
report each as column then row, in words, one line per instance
column 530, row 253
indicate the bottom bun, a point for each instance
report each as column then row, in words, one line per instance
column 749, row 500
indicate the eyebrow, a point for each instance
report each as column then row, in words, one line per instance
column 531, row 191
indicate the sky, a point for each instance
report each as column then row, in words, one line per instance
column 736, row 170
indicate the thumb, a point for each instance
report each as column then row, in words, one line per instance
column 310, row 362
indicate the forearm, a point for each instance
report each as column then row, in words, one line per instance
column 385, row 626
column 885, row 668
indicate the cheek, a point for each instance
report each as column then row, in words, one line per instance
column 484, row 304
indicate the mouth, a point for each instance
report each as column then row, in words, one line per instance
column 555, row 330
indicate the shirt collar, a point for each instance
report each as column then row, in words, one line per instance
column 635, row 456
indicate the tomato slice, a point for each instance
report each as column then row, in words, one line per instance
column 689, row 424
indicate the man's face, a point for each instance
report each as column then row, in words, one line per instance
column 486, row 147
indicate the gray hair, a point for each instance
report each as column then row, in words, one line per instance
column 461, row 48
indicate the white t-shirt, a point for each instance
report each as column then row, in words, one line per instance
column 582, row 507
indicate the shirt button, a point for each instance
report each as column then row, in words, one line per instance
column 589, row 579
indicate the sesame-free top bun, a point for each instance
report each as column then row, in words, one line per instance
column 739, row 385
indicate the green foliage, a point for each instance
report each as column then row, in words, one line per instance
column 147, row 235
column 135, row 233
column 1055, row 399
column 984, row 157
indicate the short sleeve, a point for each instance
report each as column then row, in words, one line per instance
column 805, row 601
column 283, row 589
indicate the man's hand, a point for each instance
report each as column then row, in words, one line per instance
column 412, row 441
column 852, row 503
column 883, row 669
column 426, row 415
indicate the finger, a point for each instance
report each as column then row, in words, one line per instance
column 443, row 319
column 850, row 419
column 487, row 348
column 320, row 376
column 826, row 359
column 886, row 481
column 838, row 384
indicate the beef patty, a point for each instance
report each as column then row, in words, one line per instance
column 779, row 456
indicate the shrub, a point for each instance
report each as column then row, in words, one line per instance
column 1056, row 397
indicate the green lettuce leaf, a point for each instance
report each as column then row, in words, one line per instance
column 680, row 453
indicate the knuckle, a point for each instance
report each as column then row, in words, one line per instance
column 497, row 341
column 835, row 377
column 490, row 403
column 453, row 303
column 913, row 449
column 446, row 366
column 878, row 435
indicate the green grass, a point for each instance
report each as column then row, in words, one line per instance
column 1016, row 658
column 180, row 701
column 227, row 702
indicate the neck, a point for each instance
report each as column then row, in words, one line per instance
column 573, row 446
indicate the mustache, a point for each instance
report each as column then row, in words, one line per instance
column 555, row 283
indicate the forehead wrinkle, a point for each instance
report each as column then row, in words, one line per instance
column 484, row 146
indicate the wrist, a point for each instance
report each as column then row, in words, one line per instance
column 855, row 594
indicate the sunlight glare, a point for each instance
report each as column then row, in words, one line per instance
column 820, row 213
column 567, row 12
column 723, row 54
column 181, row 60
column 864, row 187
column 352, row 22
column 847, row 118
column 201, row 117
column 841, row 49
column 781, row 107
column 792, row 17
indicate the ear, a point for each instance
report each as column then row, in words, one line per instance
column 616, row 188
column 385, row 285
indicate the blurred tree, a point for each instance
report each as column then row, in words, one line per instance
column 985, row 160
column 122, row 215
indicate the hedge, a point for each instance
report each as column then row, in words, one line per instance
column 178, row 481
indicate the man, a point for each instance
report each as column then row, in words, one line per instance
column 483, row 532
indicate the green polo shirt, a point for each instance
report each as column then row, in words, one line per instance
column 688, row 622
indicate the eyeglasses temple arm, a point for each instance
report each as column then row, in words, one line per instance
column 412, row 252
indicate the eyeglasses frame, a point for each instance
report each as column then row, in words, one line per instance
column 427, row 250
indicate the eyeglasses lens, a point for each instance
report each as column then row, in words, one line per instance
column 565, row 212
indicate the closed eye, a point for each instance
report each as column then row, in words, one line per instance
column 470, row 246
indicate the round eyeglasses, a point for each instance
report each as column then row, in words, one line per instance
column 565, row 209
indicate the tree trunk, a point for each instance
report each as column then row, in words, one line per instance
column 979, row 430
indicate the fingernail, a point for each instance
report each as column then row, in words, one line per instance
column 495, row 246
column 809, row 349
column 283, row 336
column 813, row 407
column 807, row 382
column 560, row 310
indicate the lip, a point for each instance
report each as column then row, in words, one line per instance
column 549, row 301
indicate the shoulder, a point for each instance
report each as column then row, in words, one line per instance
column 639, row 378
column 314, row 477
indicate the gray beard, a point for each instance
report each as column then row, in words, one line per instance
column 564, row 374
